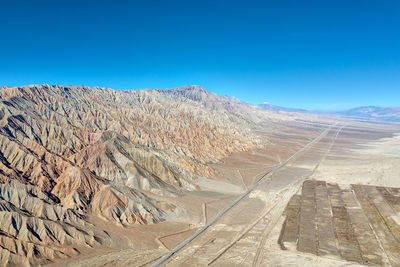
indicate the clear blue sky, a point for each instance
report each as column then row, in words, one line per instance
column 318, row 54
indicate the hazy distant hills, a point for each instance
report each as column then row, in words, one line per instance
column 269, row 106
column 368, row 112
column 375, row 113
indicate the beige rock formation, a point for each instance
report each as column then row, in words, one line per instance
column 67, row 152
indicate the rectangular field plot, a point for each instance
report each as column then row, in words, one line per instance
column 357, row 223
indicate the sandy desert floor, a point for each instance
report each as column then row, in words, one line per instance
column 350, row 152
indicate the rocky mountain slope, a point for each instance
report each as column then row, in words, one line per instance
column 67, row 152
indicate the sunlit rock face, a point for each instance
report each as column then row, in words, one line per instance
column 68, row 152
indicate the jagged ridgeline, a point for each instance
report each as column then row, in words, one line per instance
column 69, row 152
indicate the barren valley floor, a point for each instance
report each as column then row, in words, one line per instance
column 249, row 234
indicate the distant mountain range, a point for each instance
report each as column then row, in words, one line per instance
column 374, row 113
column 269, row 106
column 367, row 113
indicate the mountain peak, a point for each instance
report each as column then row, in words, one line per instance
column 192, row 88
column 193, row 92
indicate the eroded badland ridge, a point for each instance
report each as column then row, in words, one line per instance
column 92, row 176
column 67, row 152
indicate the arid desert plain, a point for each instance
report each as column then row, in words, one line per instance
column 94, row 176
column 337, row 203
